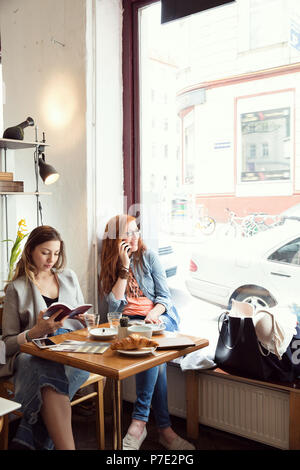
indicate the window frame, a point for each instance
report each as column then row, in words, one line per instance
column 131, row 102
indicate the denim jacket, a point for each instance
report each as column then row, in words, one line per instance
column 152, row 281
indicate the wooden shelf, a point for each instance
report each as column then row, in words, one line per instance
column 22, row 193
column 12, row 144
column 19, row 144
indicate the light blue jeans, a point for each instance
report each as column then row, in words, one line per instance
column 151, row 388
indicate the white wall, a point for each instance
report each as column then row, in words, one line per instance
column 61, row 65
column 109, row 110
column 218, row 123
column 109, row 195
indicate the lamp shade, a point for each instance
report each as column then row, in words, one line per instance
column 47, row 172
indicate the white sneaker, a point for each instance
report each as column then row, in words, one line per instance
column 132, row 443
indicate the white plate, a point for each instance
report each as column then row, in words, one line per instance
column 157, row 329
column 136, row 352
column 104, row 333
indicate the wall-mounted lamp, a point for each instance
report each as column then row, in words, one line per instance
column 47, row 172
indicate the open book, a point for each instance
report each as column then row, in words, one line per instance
column 67, row 311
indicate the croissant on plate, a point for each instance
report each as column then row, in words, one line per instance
column 133, row 341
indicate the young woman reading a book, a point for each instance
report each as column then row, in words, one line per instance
column 44, row 388
column 134, row 283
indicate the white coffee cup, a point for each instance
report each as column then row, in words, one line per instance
column 142, row 330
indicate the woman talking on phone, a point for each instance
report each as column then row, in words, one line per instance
column 44, row 388
column 134, row 283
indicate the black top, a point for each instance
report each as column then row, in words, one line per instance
column 49, row 301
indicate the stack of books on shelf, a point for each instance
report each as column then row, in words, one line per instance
column 8, row 185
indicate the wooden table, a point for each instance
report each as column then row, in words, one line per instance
column 118, row 367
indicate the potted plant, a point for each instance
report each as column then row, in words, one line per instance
column 14, row 256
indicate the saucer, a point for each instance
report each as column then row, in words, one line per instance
column 136, row 322
column 103, row 333
column 137, row 352
column 157, row 329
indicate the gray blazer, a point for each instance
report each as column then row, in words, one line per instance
column 22, row 304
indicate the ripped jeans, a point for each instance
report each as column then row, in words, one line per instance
column 31, row 375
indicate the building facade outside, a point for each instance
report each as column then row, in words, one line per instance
column 225, row 131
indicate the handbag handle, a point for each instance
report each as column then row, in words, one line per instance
column 273, row 330
column 240, row 332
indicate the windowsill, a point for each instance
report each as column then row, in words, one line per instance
column 278, row 45
column 242, row 183
column 264, row 188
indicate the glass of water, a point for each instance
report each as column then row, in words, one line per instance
column 114, row 319
column 91, row 320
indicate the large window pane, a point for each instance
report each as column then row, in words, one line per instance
column 219, row 142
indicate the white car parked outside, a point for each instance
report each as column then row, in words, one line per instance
column 263, row 269
column 167, row 259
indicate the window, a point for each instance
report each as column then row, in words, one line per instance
column 270, row 131
column 265, row 149
column 252, row 151
column 188, row 152
column 166, row 151
column 289, row 253
column 268, row 22
column 226, row 135
column 154, row 150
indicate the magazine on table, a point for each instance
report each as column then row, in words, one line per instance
column 70, row 345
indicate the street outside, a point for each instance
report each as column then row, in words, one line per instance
column 187, row 246
column 183, row 247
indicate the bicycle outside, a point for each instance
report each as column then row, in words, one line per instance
column 266, row 221
column 205, row 223
column 240, row 226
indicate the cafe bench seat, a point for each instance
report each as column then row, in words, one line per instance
column 263, row 411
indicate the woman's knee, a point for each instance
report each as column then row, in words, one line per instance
column 76, row 378
column 48, row 391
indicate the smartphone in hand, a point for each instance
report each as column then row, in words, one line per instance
column 127, row 248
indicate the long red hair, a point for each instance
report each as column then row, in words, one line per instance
column 114, row 229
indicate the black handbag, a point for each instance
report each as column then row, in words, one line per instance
column 240, row 353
